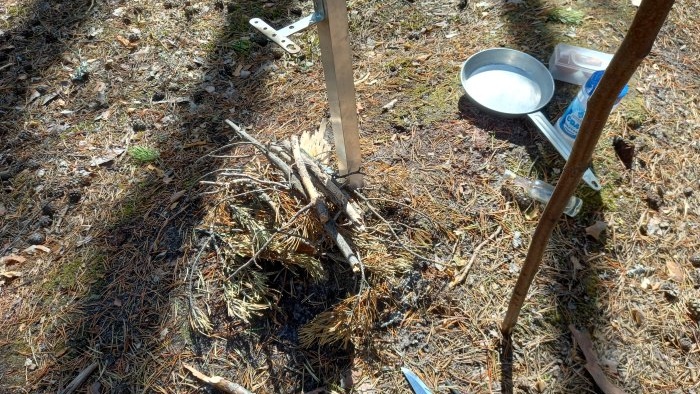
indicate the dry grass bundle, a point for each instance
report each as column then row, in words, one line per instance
column 251, row 231
column 343, row 323
column 381, row 261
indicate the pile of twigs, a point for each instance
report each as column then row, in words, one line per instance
column 308, row 179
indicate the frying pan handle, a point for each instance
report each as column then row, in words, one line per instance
column 561, row 145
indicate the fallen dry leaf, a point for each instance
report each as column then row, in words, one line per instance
column 126, row 43
column 100, row 87
column 638, row 317
column 540, row 385
column 12, row 259
column 177, row 195
column 531, row 214
column 109, row 156
column 61, row 352
column 675, row 271
column 35, row 95
column 29, row 363
column 48, row 98
column 596, row 229
column 104, row 115
column 32, row 249
column 592, row 365
column 10, row 274
column 390, row 105
column 576, row 262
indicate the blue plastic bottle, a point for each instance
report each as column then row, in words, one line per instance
column 570, row 122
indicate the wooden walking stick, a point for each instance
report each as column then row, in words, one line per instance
column 634, row 48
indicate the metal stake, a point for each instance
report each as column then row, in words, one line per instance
column 336, row 55
column 331, row 17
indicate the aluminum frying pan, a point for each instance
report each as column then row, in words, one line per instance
column 509, row 83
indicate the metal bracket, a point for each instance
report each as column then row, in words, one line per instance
column 281, row 36
column 331, row 20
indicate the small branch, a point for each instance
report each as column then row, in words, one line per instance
column 329, row 188
column 274, row 159
column 314, row 199
column 592, row 365
column 218, row 382
column 80, row 379
column 219, row 149
column 335, row 193
column 345, row 249
column 465, row 271
column 245, row 177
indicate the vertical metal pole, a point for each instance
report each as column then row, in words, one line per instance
column 336, row 55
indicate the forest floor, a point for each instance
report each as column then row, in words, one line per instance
column 128, row 206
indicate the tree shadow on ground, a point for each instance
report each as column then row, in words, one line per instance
column 118, row 298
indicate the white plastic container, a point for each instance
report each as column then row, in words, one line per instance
column 575, row 65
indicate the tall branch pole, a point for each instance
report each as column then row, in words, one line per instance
column 634, row 48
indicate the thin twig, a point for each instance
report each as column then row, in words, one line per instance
column 423, row 214
column 465, row 271
column 345, row 249
column 80, row 379
column 190, row 297
column 274, row 159
column 219, row 149
column 254, row 179
column 217, row 381
column 311, row 191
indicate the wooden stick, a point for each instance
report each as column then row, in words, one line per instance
column 634, row 48
column 276, row 161
column 314, row 199
column 592, row 364
column 217, row 381
column 330, row 189
column 335, row 193
column 345, row 249
column 80, row 379
column 465, row 271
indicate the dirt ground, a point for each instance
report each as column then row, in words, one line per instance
column 124, row 220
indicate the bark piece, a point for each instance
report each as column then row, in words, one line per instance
column 592, row 365
column 80, row 379
column 217, row 381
